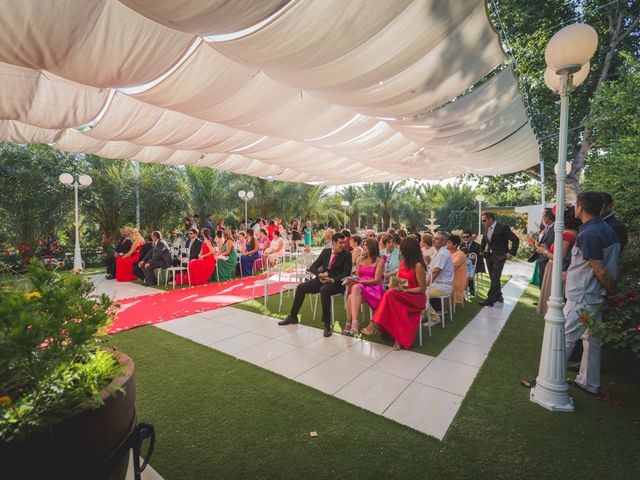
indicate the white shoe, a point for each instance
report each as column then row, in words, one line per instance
column 432, row 322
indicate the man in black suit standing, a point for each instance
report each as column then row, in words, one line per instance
column 546, row 239
column 609, row 219
column 330, row 268
column 495, row 248
column 158, row 257
column 208, row 224
column 122, row 247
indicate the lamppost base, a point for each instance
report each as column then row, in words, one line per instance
column 561, row 404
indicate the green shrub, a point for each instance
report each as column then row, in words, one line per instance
column 51, row 349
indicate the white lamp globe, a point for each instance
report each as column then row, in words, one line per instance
column 571, row 47
column 249, row 195
column 480, row 198
column 242, row 194
column 344, row 203
column 85, row 180
column 551, row 80
column 66, row 178
column 581, row 75
column 567, row 167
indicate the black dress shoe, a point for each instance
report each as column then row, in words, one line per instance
column 500, row 300
column 486, row 303
column 290, row 320
column 110, row 277
column 327, row 331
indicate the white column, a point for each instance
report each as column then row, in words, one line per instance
column 136, row 165
column 543, row 199
column 77, row 259
column 551, row 390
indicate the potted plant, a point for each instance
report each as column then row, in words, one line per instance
column 67, row 402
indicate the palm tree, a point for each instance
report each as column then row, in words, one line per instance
column 381, row 199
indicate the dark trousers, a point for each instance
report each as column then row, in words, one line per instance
column 110, row 263
column 325, row 291
column 495, row 263
column 138, row 271
column 472, row 286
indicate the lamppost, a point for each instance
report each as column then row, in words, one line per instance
column 83, row 181
column 246, row 196
column 345, row 204
column 567, row 56
column 479, row 199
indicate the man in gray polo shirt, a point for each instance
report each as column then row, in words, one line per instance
column 590, row 278
column 442, row 273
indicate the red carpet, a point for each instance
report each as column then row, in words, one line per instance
column 163, row 306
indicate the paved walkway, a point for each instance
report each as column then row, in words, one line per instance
column 117, row 290
column 416, row 390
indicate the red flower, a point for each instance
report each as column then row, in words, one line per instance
column 632, row 296
column 621, row 303
column 584, row 319
column 531, row 241
column 638, row 328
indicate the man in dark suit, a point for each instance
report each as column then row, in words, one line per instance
column 607, row 216
column 469, row 246
column 122, row 246
column 208, row 224
column 158, row 257
column 495, row 248
column 546, row 238
column 194, row 244
column 330, row 268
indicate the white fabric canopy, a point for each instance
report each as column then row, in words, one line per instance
column 301, row 90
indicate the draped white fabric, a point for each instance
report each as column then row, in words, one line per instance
column 328, row 91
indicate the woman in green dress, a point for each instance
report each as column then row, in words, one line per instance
column 227, row 259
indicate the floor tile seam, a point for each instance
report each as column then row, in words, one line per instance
column 396, row 398
column 462, row 396
column 465, row 363
column 235, row 354
column 411, row 380
column 301, row 373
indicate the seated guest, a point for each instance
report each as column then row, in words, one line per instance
column 177, row 240
column 569, row 237
column 356, row 249
column 193, row 247
column 123, row 245
column 275, row 250
column 219, row 239
column 196, row 220
column 427, row 248
column 460, row 277
column 368, row 287
column 263, row 244
column 241, row 243
column 332, row 265
column 251, row 254
column 347, row 239
column 440, row 281
column 328, row 237
column 399, row 310
column 125, row 263
column 227, row 259
column 402, row 233
column 271, row 228
column 391, row 254
column 201, row 267
column 469, row 246
column 158, row 257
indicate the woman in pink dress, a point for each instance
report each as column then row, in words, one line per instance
column 263, row 244
column 201, row 268
column 400, row 308
column 368, row 287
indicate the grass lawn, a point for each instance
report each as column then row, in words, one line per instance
column 218, row 417
column 441, row 337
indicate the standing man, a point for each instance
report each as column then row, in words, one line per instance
column 591, row 277
column 208, row 224
column 546, row 239
column 333, row 264
column 495, row 248
column 122, row 247
column 158, row 257
column 609, row 219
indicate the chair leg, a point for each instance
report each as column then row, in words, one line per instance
column 451, row 309
column 442, row 309
column 280, row 304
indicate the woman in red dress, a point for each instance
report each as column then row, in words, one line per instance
column 201, row 268
column 125, row 263
column 400, row 308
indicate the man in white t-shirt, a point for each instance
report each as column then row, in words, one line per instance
column 441, row 281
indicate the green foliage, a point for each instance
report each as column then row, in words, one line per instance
column 33, row 200
column 163, row 196
column 50, row 349
column 613, row 164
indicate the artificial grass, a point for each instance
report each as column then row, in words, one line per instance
column 218, row 417
column 440, row 337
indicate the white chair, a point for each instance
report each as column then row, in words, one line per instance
column 314, row 305
column 272, row 271
column 294, row 279
column 473, row 260
column 184, row 265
